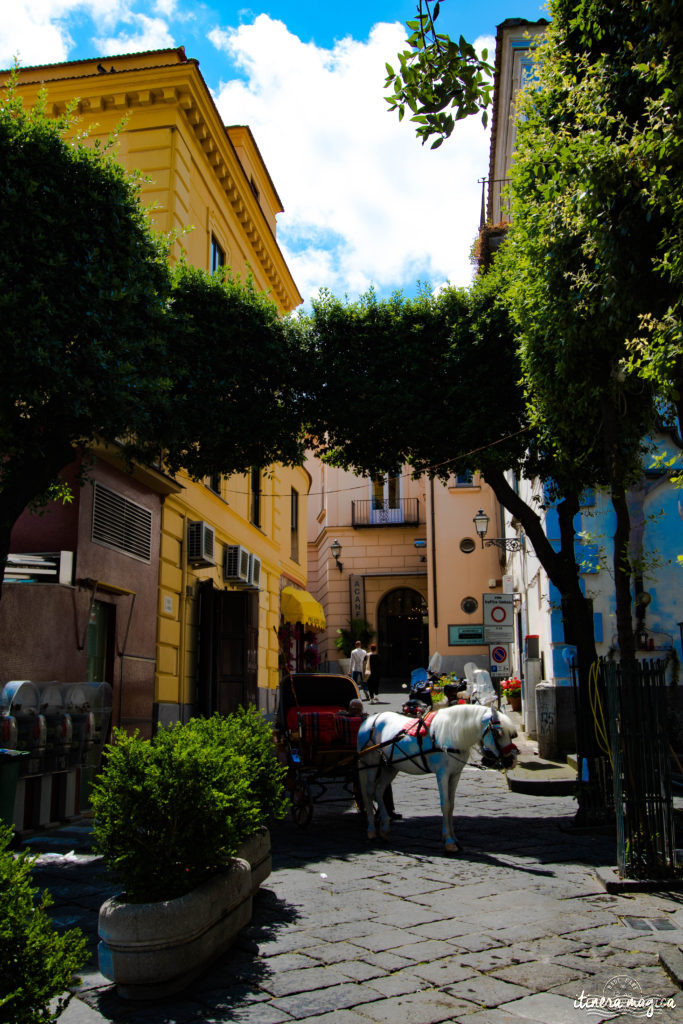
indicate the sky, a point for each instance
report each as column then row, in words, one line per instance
column 365, row 203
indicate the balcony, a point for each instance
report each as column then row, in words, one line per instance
column 400, row 512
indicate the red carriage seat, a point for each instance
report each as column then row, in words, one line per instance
column 318, row 728
column 347, row 729
column 293, row 713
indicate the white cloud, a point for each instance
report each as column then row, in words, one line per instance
column 144, row 34
column 38, row 30
column 365, row 202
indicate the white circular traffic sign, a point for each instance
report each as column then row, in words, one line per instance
column 499, row 613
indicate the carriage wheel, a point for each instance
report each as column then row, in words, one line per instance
column 302, row 805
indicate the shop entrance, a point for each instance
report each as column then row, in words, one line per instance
column 402, row 632
column 228, row 649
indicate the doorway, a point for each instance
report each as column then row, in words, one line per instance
column 402, row 631
column 227, row 675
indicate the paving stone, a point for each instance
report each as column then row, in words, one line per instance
column 340, row 997
column 500, row 956
column 255, row 1013
column 418, row 1008
column 337, row 1017
column 309, row 980
column 484, row 990
column 334, row 952
column 538, row 975
column 399, row 983
column 358, row 970
column 386, row 960
column 424, row 951
column 383, row 938
column 476, row 941
column 543, row 1008
column 444, row 971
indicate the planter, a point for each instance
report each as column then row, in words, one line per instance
column 344, row 666
column 153, row 950
column 514, row 703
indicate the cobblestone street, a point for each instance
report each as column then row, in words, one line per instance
column 516, row 928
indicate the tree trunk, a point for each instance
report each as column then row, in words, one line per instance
column 622, row 575
column 560, row 565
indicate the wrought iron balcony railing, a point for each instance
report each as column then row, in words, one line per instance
column 400, row 512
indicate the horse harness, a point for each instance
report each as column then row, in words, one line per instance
column 420, row 730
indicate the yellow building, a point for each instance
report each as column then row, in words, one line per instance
column 228, row 546
column 404, row 555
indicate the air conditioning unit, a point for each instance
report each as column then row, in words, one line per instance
column 254, row 571
column 235, row 564
column 201, row 544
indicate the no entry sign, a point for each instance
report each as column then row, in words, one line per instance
column 499, row 614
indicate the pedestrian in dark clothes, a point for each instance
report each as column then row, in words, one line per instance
column 375, row 666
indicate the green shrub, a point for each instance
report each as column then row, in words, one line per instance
column 36, row 963
column 171, row 812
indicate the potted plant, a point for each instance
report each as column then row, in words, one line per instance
column 512, row 691
column 180, row 820
column 345, row 640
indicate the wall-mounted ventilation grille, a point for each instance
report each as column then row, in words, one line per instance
column 121, row 524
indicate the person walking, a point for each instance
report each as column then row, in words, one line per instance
column 358, row 656
column 374, row 674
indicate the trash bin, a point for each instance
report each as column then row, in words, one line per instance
column 9, row 776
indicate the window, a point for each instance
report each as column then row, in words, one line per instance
column 213, row 482
column 464, row 479
column 217, row 255
column 386, row 500
column 255, row 493
column 121, row 524
column 294, row 502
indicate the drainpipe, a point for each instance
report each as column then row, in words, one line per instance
column 435, row 615
column 182, row 612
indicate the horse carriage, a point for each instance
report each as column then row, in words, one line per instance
column 325, row 748
column 317, row 740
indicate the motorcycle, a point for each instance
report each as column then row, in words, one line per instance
column 420, row 692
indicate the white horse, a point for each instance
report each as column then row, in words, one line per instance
column 442, row 747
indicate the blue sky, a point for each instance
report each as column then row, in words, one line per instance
column 365, row 203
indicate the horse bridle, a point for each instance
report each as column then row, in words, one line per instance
column 506, row 752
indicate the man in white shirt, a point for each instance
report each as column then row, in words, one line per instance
column 358, row 656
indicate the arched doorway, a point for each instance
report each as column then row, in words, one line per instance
column 402, row 633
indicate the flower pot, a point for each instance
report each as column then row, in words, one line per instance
column 514, row 701
column 156, row 949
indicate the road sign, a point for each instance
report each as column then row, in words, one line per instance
column 500, row 660
column 499, row 614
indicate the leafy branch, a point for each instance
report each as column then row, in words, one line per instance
column 439, row 80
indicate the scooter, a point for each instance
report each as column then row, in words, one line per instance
column 420, row 692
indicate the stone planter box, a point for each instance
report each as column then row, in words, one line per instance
column 153, row 950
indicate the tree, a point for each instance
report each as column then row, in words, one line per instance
column 586, row 252
column 84, row 285
column 231, row 399
column 98, row 341
column 439, row 80
column 440, row 384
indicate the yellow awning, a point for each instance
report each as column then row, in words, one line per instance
column 300, row 606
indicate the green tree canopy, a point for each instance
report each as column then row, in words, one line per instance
column 98, row 341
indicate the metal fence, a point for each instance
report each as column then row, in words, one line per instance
column 638, row 718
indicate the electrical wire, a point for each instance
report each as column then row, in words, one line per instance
column 598, row 712
column 401, row 476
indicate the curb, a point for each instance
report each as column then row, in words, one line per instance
column 611, row 882
column 672, row 962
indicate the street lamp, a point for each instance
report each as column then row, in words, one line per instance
column 481, row 524
column 336, row 548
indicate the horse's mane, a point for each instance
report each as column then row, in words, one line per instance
column 460, row 726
